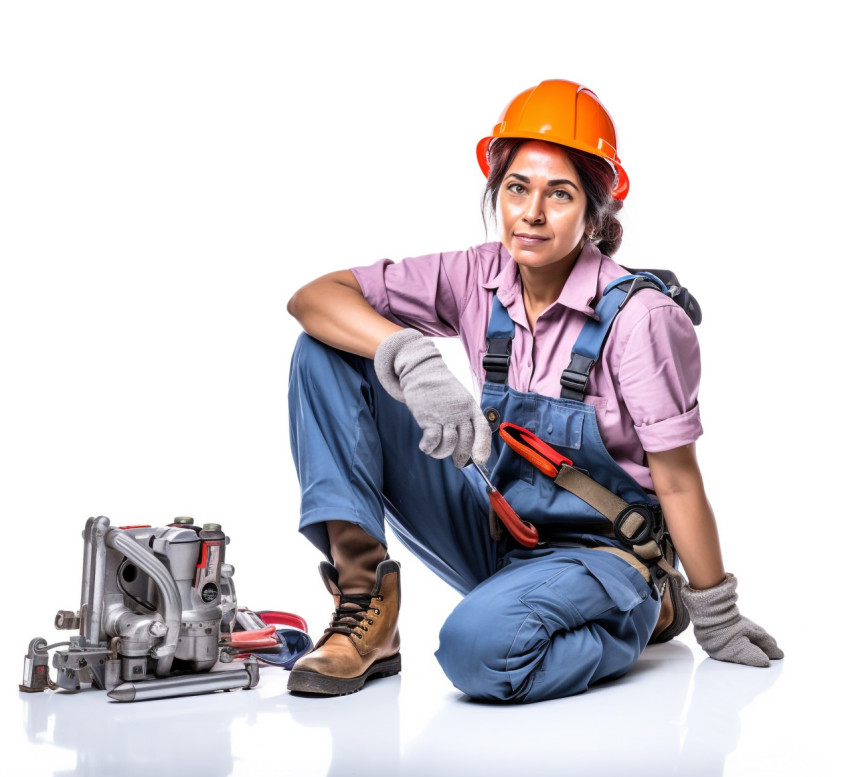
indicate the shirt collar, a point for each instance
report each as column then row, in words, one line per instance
column 579, row 292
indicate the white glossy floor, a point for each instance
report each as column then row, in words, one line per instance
column 677, row 713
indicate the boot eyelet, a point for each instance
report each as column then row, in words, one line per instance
column 380, row 597
column 371, row 622
column 376, row 611
column 359, row 636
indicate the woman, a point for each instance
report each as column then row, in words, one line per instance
column 536, row 622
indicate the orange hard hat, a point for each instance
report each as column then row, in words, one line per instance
column 565, row 113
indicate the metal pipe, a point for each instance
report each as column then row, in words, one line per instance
column 168, row 594
column 189, row 685
column 94, row 577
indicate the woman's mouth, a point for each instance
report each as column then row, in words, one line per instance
column 528, row 239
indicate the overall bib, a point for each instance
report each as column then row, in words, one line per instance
column 534, row 624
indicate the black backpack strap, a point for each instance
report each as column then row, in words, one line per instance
column 678, row 293
column 594, row 333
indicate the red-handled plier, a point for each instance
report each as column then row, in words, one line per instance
column 252, row 640
column 522, row 531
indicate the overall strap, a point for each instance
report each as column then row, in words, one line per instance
column 595, row 332
column 500, row 336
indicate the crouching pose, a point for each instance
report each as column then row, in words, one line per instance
column 594, row 370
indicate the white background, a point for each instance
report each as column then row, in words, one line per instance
column 171, row 172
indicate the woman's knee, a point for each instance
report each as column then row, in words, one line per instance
column 311, row 355
column 495, row 646
column 320, row 373
column 477, row 652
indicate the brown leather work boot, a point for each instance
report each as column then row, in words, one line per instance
column 362, row 640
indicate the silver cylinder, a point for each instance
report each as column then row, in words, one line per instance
column 188, row 685
column 94, row 571
column 111, row 673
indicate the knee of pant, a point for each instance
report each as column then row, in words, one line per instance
column 308, row 354
column 314, row 363
column 473, row 653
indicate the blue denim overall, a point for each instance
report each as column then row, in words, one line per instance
column 534, row 624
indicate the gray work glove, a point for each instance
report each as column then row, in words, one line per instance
column 722, row 631
column 412, row 371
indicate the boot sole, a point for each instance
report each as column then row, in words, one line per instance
column 305, row 681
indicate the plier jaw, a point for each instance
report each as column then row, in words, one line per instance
column 533, row 449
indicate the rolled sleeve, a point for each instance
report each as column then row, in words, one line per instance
column 426, row 292
column 659, row 379
column 670, row 433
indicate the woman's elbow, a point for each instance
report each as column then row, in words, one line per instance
column 324, row 294
column 295, row 304
column 304, row 301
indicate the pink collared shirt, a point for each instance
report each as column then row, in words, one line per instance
column 644, row 387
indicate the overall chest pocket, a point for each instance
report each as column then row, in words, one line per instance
column 561, row 425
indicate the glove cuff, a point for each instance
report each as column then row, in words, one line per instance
column 712, row 606
column 385, row 358
column 708, row 596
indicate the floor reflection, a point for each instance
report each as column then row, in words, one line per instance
column 661, row 719
column 195, row 735
column 364, row 739
column 713, row 722
column 666, row 717
column 186, row 735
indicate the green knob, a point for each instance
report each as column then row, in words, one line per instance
column 184, row 519
column 212, row 527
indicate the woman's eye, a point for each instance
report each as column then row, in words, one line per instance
column 560, row 194
column 516, row 188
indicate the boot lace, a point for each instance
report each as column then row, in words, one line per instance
column 351, row 613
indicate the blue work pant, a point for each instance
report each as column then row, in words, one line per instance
column 533, row 624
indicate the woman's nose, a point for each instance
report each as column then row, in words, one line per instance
column 534, row 212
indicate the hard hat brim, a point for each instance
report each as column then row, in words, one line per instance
column 621, row 186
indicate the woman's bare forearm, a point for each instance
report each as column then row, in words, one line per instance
column 679, row 487
column 332, row 309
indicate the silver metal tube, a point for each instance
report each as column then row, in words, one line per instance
column 94, row 576
column 169, row 596
column 188, row 685
column 483, row 473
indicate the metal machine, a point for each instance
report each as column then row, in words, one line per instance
column 157, row 604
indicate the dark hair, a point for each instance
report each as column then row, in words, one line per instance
column 595, row 175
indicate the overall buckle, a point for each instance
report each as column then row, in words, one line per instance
column 635, row 524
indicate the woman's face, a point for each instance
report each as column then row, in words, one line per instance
column 541, row 207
